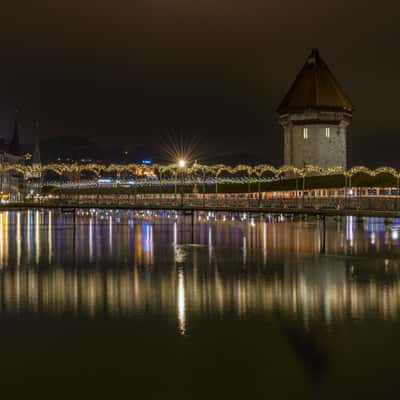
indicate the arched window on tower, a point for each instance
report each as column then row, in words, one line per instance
column 328, row 132
column 305, row 133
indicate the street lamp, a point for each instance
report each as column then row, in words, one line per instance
column 182, row 165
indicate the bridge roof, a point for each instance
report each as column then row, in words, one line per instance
column 315, row 88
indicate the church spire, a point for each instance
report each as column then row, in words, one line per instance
column 14, row 144
column 36, row 159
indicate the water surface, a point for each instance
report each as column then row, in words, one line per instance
column 224, row 306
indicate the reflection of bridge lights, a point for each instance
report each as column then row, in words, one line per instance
column 18, row 238
column 264, row 243
column 37, row 237
column 335, row 297
column 180, row 254
column 110, row 233
column 372, row 238
column 50, row 235
column 1, row 240
column 209, row 244
column 147, row 241
column 181, row 302
column 386, row 238
column 90, row 240
column 175, row 234
column 244, row 250
column 349, row 230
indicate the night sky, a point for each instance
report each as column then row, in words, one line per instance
column 130, row 71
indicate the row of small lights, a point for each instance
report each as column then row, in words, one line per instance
column 217, row 169
column 210, row 216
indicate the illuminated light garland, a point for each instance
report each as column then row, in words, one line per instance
column 216, row 169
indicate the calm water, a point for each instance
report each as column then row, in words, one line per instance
column 249, row 308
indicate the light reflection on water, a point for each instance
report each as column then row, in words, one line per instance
column 119, row 264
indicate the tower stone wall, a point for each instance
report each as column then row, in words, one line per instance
column 325, row 141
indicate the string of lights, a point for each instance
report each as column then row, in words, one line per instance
column 76, row 169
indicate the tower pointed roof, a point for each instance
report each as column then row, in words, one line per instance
column 315, row 88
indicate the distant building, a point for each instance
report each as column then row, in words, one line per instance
column 315, row 114
column 12, row 182
column 34, row 179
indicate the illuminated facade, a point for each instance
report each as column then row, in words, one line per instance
column 315, row 114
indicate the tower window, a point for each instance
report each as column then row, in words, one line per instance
column 305, row 133
column 328, row 132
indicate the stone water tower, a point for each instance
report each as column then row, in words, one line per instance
column 315, row 114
